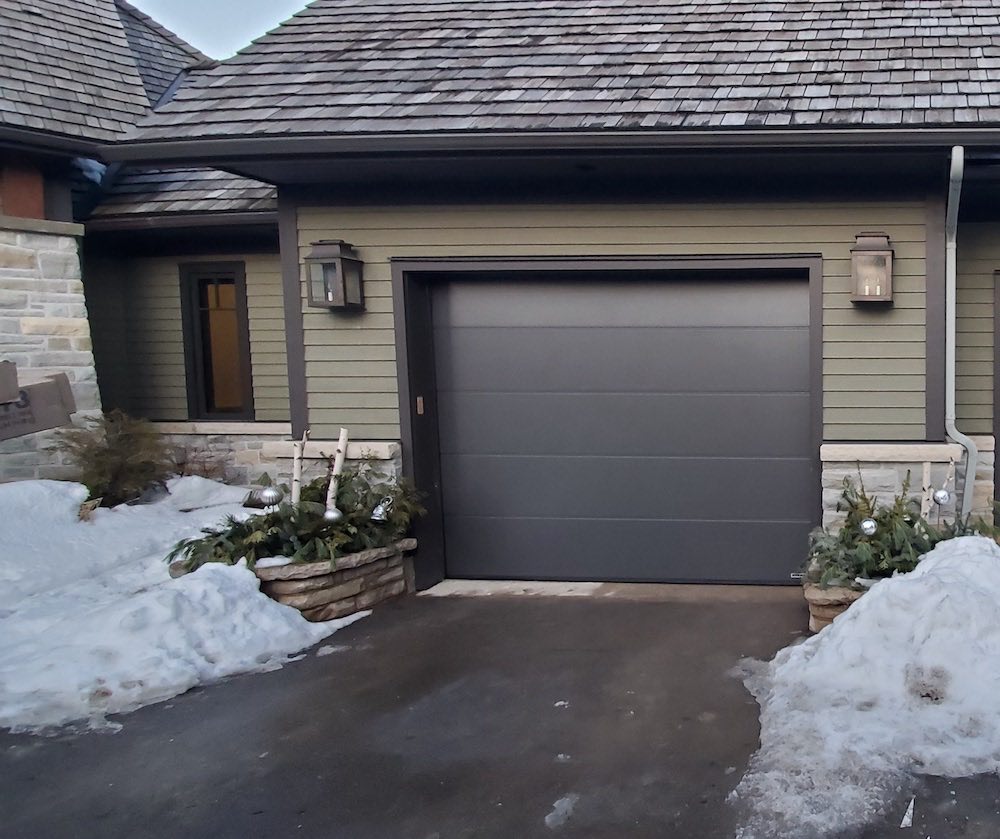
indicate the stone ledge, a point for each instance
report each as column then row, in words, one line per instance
column 356, row 449
column 38, row 225
column 235, row 429
column 313, row 569
column 898, row 452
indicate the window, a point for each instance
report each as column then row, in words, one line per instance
column 216, row 341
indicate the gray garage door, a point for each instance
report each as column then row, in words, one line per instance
column 625, row 430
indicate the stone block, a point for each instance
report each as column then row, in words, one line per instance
column 378, row 595
column 12, row 299
column 331, row 611
column 364, row 571
column 12, row 256
column 46, row 241
column 247, row 457
column 389, row 576
column 67, row 327
column 59, row 265
column 60, row 360
column 320, row 597
column 300, row 586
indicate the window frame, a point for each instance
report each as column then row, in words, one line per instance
column 191, row 274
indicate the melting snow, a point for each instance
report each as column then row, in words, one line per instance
column 91, row 622
column 907, row 681
column 561, row 811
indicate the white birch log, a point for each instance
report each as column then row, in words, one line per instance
column 338, row 467
column 298, row 450
column 925, row 501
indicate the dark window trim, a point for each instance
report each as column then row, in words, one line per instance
column 190, row 274
column 412, row 280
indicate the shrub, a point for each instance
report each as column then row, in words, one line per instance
column 117, row 457
column 299, row 531
column 902, row 537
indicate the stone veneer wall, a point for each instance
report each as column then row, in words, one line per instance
column 44, row 329
column 883, row 468
column 240, row 453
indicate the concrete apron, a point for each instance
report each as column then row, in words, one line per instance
column 653, row 592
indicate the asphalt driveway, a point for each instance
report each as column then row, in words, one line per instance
column 600, row 716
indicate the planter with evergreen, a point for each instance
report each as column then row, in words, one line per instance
column 326, row 568
column 874, row 542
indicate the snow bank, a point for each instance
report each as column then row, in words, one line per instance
column 91, row 622
column 907, row 681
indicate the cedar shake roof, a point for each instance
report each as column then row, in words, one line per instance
column 149, row 191
column 159, row 54
column 85, row 69
column 344, row 67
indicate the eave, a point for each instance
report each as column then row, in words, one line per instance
column 205, row 151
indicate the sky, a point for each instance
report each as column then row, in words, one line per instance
column 219, row 27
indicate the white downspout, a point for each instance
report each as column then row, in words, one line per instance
column 951, row 274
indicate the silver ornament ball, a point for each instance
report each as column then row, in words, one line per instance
column 869, row 527
column 941, row 497
column 269, row 496
column 332, row 516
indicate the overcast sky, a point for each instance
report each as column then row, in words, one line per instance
column 220, row 27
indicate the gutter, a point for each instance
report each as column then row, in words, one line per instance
column 951, row 278
column 207, row 149
column 166, row 221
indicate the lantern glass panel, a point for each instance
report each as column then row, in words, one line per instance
column 352, row 283
column 872, row 274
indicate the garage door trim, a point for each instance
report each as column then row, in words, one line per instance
column 412, row 282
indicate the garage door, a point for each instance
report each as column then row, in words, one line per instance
column 654, row 429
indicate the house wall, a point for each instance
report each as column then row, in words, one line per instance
column 873, row 360
column 43, row 329
column 140, row 347
column 978, row 261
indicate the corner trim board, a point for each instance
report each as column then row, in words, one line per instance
column 291, row 286
column 934, row 346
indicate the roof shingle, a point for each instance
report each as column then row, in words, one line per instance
column 67, row 67
column 394, row 66
column 160, row 191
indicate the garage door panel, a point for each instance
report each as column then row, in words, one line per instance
column 628, row 303
column 656, row 551
column 623, row 360
column 625, row 430
column 625, row 424
column 627, row 487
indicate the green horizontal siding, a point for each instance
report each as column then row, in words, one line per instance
column 978, row 261
column 874, row 361
column 139, row 301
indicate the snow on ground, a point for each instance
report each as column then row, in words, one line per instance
column 91, row 622
column 906, row 682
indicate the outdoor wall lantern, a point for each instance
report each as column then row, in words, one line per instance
column 335, row 276
column 871, row 262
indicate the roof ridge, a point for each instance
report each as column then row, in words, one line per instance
column 173, row 37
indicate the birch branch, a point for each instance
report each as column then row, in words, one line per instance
column 338, row 467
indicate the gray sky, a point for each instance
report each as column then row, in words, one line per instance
column 219, row 27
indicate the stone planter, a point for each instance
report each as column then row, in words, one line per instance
column 322, row 591
column 826, row 604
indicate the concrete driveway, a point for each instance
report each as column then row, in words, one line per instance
column 610, row 715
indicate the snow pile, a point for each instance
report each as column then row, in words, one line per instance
column 907, row 681
column 91, row 622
